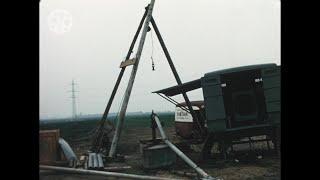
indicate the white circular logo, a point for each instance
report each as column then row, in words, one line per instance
column 60, row 21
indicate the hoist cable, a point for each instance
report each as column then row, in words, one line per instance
column 152, row 47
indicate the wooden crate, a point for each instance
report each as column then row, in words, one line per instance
column 48, row 146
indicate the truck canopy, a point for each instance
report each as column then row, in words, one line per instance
column 178, row 89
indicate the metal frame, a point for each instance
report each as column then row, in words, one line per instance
column 146, row 19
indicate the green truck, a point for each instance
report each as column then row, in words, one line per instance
column 238, row 103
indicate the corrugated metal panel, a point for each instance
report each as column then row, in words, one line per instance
column 272, row 84
column 273, row 106
column 272, row 95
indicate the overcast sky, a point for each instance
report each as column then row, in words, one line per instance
column 201, row 36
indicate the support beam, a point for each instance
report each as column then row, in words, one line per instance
column 175, row 73
column 127, row 93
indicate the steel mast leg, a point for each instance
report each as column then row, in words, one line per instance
column 130, row 83
column 96, row 142
column 175, row 73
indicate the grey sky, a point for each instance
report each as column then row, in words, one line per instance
column 201, row 35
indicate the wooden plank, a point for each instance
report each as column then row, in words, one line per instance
column 48, row 146
column 127, row 62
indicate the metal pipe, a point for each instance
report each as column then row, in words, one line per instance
column 186, row 159
column 90, row 163
column 67, row 150
column 95, row 161
column 162, row 133
column 117, row 168
column 100, row 161
column 127, row 93
column 105, row 114
column 175, row 73
column 86, row 165
column 180, row 153
column 174, row 102
column 102, row 173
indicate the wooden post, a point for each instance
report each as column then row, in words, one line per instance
column 127, row 93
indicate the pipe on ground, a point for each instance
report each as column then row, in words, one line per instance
column 100, row 161
column 102, row 173
column 67, row 150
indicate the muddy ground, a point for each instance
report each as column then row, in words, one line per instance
column 257, row 164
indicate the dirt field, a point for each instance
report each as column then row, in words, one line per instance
column 244, row 167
